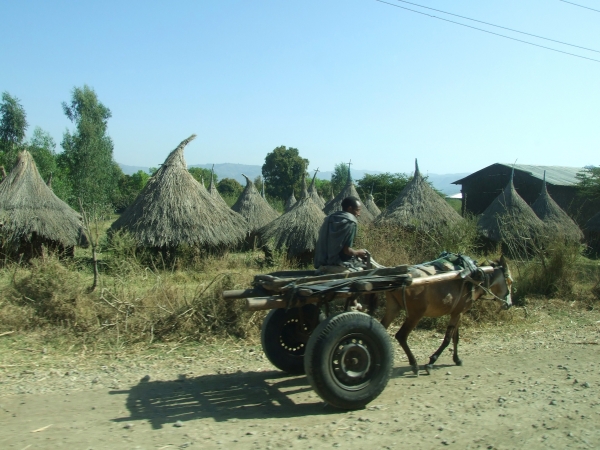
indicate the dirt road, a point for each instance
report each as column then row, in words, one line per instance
column 531, row 388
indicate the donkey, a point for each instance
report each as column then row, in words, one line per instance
column 453, row 297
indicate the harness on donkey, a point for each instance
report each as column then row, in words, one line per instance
column 470, row 272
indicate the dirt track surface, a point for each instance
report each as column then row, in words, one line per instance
column 535, row 388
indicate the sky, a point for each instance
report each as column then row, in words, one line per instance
column 340, row 80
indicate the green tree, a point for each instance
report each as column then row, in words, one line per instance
column 589, row 182
column 324, row 188
column 229, row 187
column 282, row 170
column 129, row 188
column 13, row 125
column 202, row 175
column 386, row 186
column 88, row 150
column 43, row 150
column 339, row 177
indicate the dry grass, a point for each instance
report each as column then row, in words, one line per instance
column 142, row 299
column 173, row 209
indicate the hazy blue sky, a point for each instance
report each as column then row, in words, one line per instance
column 338, row 79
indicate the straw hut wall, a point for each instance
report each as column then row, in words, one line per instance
column 290, row 202
column 212, row 189
column 419, row 208
column 349, row 191
column 254, row 208
column 556, row 221
column 31, row 215
column 174, row 209
column 312, row 192
column 371, row 206
column 509, row 219
column 297, row 230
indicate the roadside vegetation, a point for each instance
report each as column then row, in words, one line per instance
column 142, row 299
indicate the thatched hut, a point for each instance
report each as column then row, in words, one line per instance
column 371, row 206
column 419, row 208
column 173, row 209
column 556, row 221
column 314, row 194
column 254, row 208
column 290, row 202
column 31, row 215
column 297, row 230
column 510, row 220
column 212, row 189
column 348, row 191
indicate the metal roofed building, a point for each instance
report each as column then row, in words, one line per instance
column 480, row 188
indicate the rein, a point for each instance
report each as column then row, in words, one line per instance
column 489, row 294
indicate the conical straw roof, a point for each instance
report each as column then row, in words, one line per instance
column 312, row 192
column 509, row 217
column 370, row 204
column 297, row 230
column 174, row 209
column 212, row 189
column 254, row 208
column 28, row 206
column 348, row 191
column 419, row 207
column 290, row 202
column 556, row 221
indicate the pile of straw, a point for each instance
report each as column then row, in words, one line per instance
column 314, row 195
column 174, row 209
column 349, row 191
column 254, row 208
column 297, row 230
column 509, row 218
column 290, row 202
column 419, row 208
column 371, row 206
column 29, row 210
column 556, row 221
column 212, row 189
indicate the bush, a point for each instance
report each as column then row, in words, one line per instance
column 553, row 270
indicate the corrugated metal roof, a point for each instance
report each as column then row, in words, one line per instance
column 555, row 175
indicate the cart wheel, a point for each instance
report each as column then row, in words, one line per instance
column 284, row 336
column 349, row 360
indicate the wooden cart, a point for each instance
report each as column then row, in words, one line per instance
column 346, row 354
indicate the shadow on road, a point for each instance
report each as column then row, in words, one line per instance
column 246, row 395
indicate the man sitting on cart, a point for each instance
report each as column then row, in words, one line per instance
column 334, row 252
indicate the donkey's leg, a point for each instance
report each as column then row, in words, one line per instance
column 402, row 337
column 450, row 330
column 455, row 339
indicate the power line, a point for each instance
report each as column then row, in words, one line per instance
column 499, row 26
column 489, row 32
column 581, row 6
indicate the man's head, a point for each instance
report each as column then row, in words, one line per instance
column 352, row 205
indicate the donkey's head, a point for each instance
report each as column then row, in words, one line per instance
column 499, row 284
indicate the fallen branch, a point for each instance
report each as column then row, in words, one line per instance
column 6, row 333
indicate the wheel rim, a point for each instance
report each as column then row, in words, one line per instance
column 353, row 362
column 293, row 337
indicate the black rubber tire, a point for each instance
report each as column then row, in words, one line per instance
column 284, row 335
column 349, row 360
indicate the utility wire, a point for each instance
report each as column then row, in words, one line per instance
column 581, row 6
column 504, row 28
column 489, row 32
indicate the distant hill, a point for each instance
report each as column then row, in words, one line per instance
column 229, row 170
